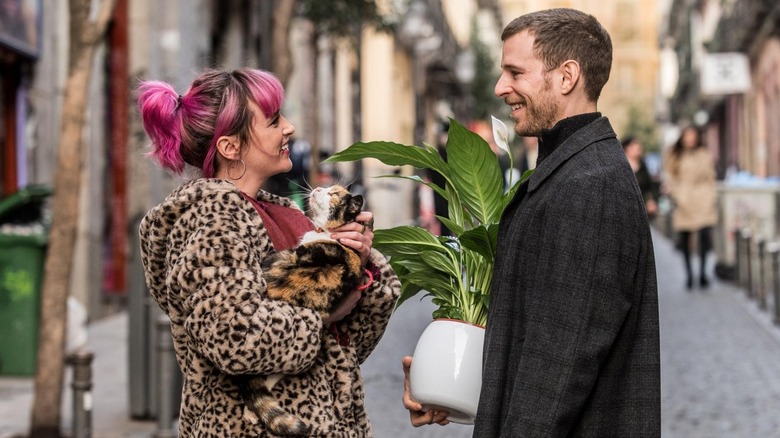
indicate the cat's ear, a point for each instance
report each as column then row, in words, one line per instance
column 355, row 204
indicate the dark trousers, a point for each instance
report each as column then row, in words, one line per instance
column 704, row 247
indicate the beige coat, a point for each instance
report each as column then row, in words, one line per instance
column 693, row 189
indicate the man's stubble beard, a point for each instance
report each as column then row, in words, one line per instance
column 542, row 113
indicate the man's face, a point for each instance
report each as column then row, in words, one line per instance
column 526, row 87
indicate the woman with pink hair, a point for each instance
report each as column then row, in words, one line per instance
column 202, row 250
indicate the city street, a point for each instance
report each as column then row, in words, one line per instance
column 720, row 368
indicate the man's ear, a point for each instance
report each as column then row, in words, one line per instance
column 570, row 75
column 229, row 147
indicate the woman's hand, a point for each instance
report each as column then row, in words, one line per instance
column 418, row 416
column 358, row 235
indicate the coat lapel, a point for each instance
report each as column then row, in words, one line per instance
column 596, row 131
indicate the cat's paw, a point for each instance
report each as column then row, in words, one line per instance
column 250, row 416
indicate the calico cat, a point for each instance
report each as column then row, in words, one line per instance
column 316, row 274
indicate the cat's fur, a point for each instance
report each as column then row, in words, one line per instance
column 316, row 274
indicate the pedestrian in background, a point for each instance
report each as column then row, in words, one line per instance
column 202, row 250
column 690, row 181
column 440, row 204
column 647, row 185
column 572, row 338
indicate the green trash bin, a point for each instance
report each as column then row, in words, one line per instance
column 23, row 244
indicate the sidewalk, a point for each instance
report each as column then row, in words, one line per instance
column 720, row 357
column 720, row 368
column 107, row 339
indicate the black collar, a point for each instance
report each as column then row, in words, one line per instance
column 555, row 136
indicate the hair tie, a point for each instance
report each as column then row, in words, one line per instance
column 178, row 102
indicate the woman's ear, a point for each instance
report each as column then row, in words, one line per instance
column 229, row 147
column 570, row 75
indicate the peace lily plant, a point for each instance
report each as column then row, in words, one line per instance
column 456, row 271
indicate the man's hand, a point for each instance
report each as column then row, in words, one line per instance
column 417, row 415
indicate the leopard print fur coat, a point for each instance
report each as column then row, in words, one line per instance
column 201, row 249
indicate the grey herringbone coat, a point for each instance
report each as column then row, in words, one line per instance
column 571, row 346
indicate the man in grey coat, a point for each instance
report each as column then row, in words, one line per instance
column 571, row 344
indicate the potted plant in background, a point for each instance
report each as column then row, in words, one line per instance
column 456, row 271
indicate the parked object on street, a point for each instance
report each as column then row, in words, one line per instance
column 83, row 402
column 743, row 202
column 23, row 243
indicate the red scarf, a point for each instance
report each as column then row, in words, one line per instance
column 285, row 226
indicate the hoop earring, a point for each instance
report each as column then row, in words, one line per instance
column 242, row 173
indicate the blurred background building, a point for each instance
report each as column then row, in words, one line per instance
column 360, row 71
column 721, row 63
column 364, row 70
column 728, row 53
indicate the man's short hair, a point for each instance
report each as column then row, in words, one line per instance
column 561, row 34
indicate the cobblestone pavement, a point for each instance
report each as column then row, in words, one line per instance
column 720, row 358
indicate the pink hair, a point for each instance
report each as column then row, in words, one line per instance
column 186, row 129
column 158, row 103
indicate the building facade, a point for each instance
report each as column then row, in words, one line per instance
column 380, row 85
column 738, row 121
column 633, row 26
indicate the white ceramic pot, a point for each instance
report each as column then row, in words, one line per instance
column 446, row 372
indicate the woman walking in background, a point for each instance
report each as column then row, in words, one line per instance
column 635, row 156
column 690, row 181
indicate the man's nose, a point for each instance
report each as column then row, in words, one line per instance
column 502, row 87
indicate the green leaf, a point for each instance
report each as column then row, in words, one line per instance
column 510, row 194
column 448, row 312
column 406, row 241
column 440, row 262
column 393, row 154
column 456, row 228
column 408, row 290
column 527, row 174
column 416, row 264
column 475, row 173
column 438, row 285
column 481, row 240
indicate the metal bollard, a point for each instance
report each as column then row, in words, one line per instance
column 738, row 277
column 81, row 360
column 774, row 252
column 165, row 368
column 761, row 274
column 747, row 247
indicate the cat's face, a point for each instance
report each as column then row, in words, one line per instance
column 331, row 207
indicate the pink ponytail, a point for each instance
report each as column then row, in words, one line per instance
column 186, row 129
column 160, row 111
